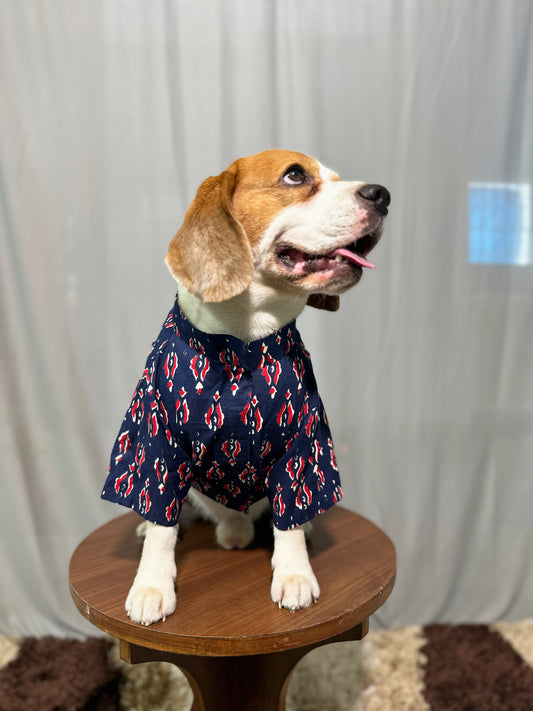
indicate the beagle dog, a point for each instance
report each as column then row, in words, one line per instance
column 227, row 412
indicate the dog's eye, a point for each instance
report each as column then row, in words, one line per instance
column 294, row 175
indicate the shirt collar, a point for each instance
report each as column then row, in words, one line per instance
column 230, row 349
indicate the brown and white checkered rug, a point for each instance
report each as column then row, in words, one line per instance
column 437, row 667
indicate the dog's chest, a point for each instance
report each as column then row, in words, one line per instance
column 233, row 405
column 236, row 420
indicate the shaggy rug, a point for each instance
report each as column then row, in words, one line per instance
column 437, row 667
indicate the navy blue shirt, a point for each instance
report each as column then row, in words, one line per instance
column 238, row 421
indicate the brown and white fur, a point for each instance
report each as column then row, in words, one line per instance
column 257, row 244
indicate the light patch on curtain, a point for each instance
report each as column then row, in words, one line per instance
column 499, row 223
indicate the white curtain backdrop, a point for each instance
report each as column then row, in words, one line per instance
column 113, row 112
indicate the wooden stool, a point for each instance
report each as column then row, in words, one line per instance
column 235, row 646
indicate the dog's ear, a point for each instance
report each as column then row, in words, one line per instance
column 210, row 254
column 324, row 301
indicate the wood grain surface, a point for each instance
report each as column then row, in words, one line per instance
column 224, row 606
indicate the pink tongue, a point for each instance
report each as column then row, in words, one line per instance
column 355, row 258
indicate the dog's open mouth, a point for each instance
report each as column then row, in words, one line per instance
column 354, row 254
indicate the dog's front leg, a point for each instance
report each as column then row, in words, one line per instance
column 294, row 584
column 153, row 594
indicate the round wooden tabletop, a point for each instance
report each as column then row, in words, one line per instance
column 224, row 606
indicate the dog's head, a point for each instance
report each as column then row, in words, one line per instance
column 284, row 219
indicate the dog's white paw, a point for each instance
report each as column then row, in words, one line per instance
column 294, row 590
column 148, row 604
column 235, row 532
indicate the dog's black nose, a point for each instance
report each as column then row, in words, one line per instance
column 377, row 194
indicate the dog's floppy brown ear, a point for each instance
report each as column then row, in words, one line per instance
column 210, row 254
column 324, row 301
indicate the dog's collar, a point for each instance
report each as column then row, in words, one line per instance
column 232, row 350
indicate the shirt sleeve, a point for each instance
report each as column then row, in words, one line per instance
column 305, row 481
column 149, row 471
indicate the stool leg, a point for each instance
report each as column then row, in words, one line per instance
column 257, row 682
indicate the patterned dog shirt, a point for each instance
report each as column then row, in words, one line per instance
column 238, row 421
